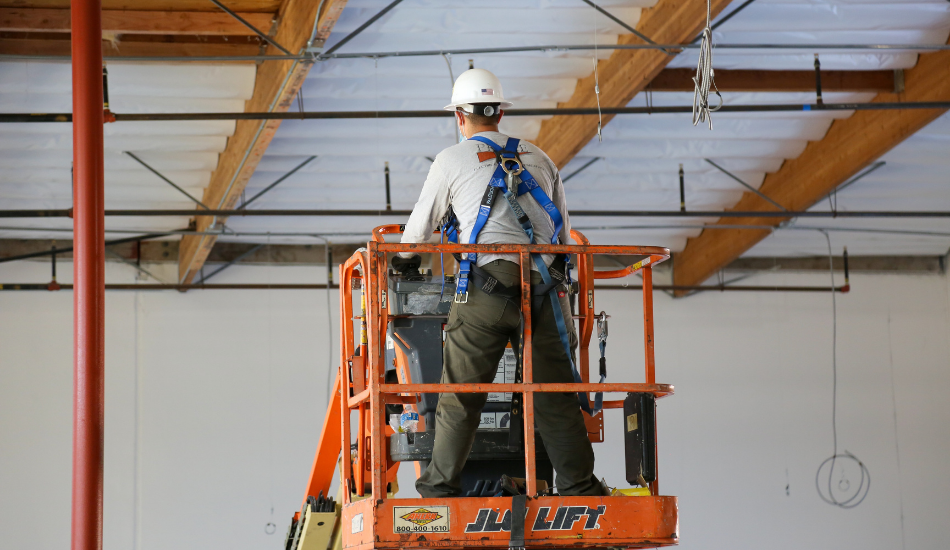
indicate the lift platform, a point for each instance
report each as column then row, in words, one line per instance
column 390, row 362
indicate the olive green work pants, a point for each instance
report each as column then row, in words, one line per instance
column 476, row 335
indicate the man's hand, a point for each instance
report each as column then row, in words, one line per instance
column 407, row 266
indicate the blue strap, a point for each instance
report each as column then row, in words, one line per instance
column 528, row 185
column 562, row 329
column 496, row 182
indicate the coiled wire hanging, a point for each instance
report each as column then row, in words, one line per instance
column 705, row 78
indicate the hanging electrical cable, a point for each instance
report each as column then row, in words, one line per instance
column 328, row 248
column 858, row 493
column 705, row 78
column 600, row 115
column 270, row 527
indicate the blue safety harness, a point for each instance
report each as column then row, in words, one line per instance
column 509, row 181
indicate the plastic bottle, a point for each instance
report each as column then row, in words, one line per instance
column 408, row 421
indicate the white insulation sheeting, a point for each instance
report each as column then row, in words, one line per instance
column 36, row 159
column 916, row 176
column 638, row 157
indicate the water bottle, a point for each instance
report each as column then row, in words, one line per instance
column 408, row 421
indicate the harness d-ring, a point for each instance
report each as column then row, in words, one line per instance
column 510, row 174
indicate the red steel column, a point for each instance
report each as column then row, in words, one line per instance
column 88, row 275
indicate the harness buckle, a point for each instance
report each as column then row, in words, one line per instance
column 461, row 298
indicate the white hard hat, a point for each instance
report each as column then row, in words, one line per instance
column 476, row 86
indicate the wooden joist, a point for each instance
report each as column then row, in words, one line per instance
column 850, row 145
column 275, row 87
column 137, row 22
column 129, row 48
column 681, row 80
column 624, row 74
column 258, row 6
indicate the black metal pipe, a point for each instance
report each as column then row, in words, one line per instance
column 55, row 251
column 283, row 286
column 105, row 88
column 728, row 288
column 322, row 115
column 847, row 278
column 503, row 49
column 574, row 213
column 818, row 98
column 389, row 202
column 319, row 286
column 682, row 190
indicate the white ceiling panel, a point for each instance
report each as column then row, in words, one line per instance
column 635, row 165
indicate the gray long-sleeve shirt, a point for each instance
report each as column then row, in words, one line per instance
column 459, row 179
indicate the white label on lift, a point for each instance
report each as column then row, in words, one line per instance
column 356, row 525
column 428, row 519
column 504, row 375
column 488, row 421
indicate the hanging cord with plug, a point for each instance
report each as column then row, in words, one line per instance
column 844, row 485
column 600, row 116
column 705, row 77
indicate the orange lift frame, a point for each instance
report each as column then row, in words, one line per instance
column 371, row 518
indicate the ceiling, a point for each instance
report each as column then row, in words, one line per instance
column 638, row 157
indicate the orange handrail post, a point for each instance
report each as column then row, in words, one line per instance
column 527, row 368
column 648, row 348
column 378, row 320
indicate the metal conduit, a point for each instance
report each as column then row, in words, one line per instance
column 503, row 49
column 14, row 287
column 61, row 213
column 319, row 115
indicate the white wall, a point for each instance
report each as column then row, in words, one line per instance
column 215, row 402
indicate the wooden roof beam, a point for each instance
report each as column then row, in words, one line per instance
column 43, row 45
column 137, row 22
column 624, row 74
column 275, row 87
column 850, row 145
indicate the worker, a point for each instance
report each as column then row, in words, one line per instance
column 486, row 313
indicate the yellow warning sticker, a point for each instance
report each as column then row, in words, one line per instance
column 632, row 422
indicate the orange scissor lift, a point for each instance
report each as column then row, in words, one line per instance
column 370, row 516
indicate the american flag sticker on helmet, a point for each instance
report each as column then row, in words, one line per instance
column 488, row 91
